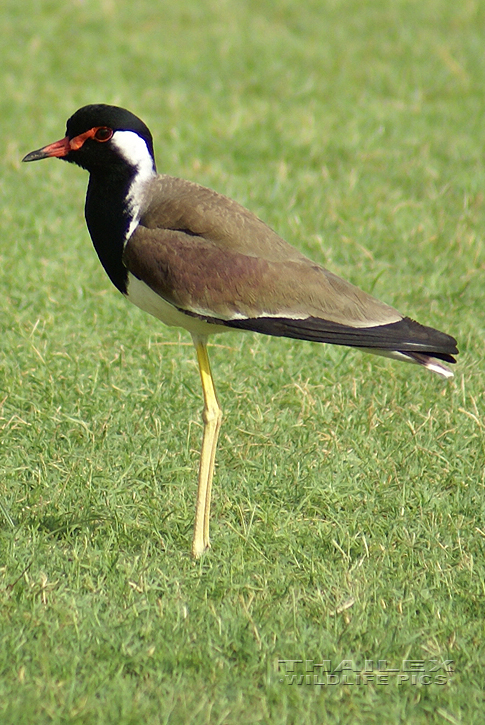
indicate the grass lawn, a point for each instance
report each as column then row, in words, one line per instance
column 346, row 583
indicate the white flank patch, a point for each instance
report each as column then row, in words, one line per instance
column 285, row 315
column 134, row 150
column 241, row 316
column 141, row 295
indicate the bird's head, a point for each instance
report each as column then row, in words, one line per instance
column 101, row 137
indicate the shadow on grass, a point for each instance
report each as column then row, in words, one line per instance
column 69, row 524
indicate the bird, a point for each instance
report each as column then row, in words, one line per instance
column 196, row 259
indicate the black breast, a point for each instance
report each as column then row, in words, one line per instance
column 108, row 219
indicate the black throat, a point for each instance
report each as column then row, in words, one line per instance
column 108, row 217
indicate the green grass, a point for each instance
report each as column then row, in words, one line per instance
column 348, row 517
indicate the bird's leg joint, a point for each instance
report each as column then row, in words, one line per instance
column 212, row 414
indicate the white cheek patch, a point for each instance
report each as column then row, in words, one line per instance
column 134, row 150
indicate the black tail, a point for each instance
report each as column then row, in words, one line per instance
column 404, row 336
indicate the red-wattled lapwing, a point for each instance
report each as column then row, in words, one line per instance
column 198, row 260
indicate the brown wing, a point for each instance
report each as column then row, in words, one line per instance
column 207, row 255
column 177, row 204
column 210, row 258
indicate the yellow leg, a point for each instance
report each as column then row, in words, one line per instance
column 212, row 417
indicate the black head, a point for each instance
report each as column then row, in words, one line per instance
column 92, row 142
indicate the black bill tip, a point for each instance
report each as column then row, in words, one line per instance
column 35, row 155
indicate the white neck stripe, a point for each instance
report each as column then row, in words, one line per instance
column 134, row 150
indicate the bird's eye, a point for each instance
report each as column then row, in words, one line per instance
column 103, row 133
